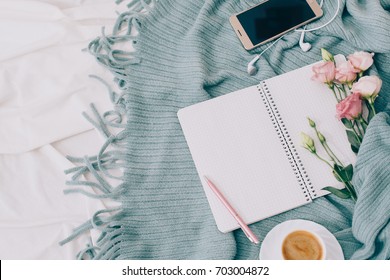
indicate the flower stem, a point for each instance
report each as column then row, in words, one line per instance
column 347, row 185
column 324, row 160
column 338, row 90
column 362, row 120
column 363, row 124
column 356, row 134
column 327, row 148
column 341, row 89
column 372, row 106
column 351, row 190
column 349, row 86
column 335, row 94
column 359, row 129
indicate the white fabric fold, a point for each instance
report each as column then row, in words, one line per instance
column 44, row 88
column 34, row 212
column 43, row 72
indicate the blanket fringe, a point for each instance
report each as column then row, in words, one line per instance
column 125, row 29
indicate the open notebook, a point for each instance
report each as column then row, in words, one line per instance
column 248, row 144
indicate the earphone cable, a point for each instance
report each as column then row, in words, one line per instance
column 322, row 26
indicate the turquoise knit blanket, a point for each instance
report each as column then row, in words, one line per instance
column 186, row 52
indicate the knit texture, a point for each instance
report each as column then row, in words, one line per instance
column 187, row 52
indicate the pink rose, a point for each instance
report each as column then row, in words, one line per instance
column 368, row 87
column 324, row 72
column 346, row 73
column 350, row 107
column 361, row 60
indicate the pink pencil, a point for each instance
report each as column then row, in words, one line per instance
column 251, row 236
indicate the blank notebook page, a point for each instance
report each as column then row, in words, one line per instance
column 297, row 97
column 234, row 143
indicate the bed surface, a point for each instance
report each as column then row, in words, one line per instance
column 44, row 88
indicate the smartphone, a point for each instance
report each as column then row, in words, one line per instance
column 271, row 19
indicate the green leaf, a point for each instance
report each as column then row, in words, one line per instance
column 344, row 193
column 354, row 149
column 335, row 174
column 364, row 126
column 337, row 170
column 348, row 171
column 352, row 138
column 344, row 174
column 347, row 123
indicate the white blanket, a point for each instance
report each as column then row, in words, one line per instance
column 44, row 87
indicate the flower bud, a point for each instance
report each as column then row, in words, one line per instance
column 311, row 122
column 326, row 56
column 308, row 142
column 321, row 137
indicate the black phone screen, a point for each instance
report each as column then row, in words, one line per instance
column 274, row 17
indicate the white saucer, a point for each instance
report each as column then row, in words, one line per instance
column 274, row 240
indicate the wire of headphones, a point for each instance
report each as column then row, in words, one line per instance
column 251, row 68
column 326, row 24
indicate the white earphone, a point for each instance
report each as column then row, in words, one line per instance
column 251, row 69
column 305, row 47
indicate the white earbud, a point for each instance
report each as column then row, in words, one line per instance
column 251, row 69
column 304, row 46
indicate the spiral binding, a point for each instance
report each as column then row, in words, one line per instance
column 287, row 143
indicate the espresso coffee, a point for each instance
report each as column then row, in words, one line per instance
column 302, row 245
